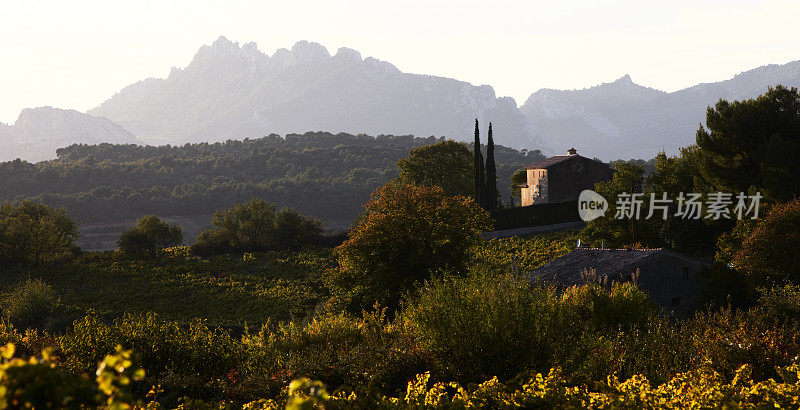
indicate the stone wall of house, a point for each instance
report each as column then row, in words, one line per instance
column 672, row 281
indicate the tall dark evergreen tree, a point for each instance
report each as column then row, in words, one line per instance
column 479, row 178
column 490, row 186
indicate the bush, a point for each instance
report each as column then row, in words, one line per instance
column 593, row 307
column 30, row 303
column 254, row 226
column 186, row 359
column 37, row 383
column 339, row 349
column 148, row 236
column 483, row 325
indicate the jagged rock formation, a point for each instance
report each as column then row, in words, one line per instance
column 233, row 92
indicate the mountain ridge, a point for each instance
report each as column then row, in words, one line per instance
column 39, row 132
column 624, row 120
column 247, row 93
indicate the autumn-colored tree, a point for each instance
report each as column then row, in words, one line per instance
column 405, row 234
column 446, row 164
column 769, row 255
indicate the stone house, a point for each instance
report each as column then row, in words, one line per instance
column 562, row 178
column 669, row 278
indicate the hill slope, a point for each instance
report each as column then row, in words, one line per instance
column 39, row 132
column 625, row 120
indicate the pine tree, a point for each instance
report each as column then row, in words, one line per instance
column 490, row 186
column 479, row 179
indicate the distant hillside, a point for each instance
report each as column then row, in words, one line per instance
column 106, row 187
column 38, row 132
column 625, row 120
column 233, row 92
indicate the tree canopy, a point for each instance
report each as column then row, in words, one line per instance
column 446, row 164
column 33, row 233
column 769, row 255
column 255, row 226
column 753, row 143
column 149, row 235
column 405, row 235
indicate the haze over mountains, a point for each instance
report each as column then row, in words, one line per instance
column 624, row 120
column 229, row 92
column 38, row 132
column 235, row 92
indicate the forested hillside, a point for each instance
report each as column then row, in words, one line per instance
column 320, row 174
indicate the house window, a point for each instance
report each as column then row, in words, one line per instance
column 676, row 302
column 685, row 273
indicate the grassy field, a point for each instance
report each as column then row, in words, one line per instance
column 224, row 290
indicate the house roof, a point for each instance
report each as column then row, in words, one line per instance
column 550, row 161
column 567, row 269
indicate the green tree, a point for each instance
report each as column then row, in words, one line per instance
column 446, row 164
column 32, row 232
column 753, row 144
column 518, row 178
column 405, row 234
column 628, row 178
column 490, row 188
column 673, row 176
column 769, row 255
column 480, row 180
column 293, row 230
column 255, row 226
column 149, row 235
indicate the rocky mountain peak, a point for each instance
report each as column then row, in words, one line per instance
column 345, row 53
column 307, row 52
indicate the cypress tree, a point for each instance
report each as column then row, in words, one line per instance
column 490, row 187
column 479, row 179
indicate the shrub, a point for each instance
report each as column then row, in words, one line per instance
column 620, row 306
column 729, row 339
column 483, row 325
column 339, row 349
column 29, row 303
column 38, row 383
column 184, row 358
column 149, row 235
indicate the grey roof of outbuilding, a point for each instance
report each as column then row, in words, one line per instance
column 550, row 161
column 615, row 263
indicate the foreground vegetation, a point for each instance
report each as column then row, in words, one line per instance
column 414, row 309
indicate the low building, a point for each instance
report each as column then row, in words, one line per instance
column 562, row 178
column 669, row 278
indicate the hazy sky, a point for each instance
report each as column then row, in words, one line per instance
column 76, row 54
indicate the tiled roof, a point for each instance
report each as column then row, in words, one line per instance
column 614, row 263
column 550, row 161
